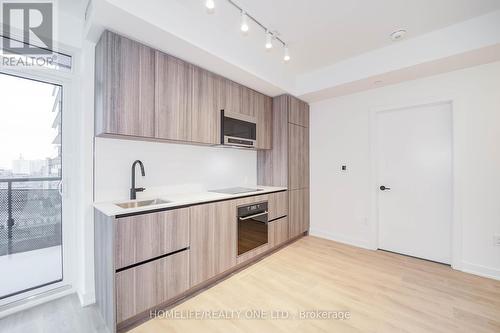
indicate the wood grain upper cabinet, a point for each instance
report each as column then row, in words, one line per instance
column 298, row 112
column 174, row 95
column 248, row 101
column 213, row 239
column 298, row 212
column 298, row 157
column 263, row 109
column 206, row 106
column 124, row 84
column 230, row 95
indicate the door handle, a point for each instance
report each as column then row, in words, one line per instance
column 252, row 216
column 383, row 188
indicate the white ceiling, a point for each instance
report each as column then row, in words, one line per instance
column 323, row 32
column 326, row 37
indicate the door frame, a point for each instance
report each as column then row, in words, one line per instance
column 456, row 225
column 69, row 118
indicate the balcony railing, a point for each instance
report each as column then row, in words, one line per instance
column 30, row 214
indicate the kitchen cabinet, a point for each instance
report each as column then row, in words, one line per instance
column 174, row 97
column 145, row 286
column 213, row 239
column 298, row 212
column 231, row 96
column 206, row 106
column 277, row 205
column 298, row 112
column 143, row 237
column 124, row 87
column 248, row 101
column 298, row 157
column 278, row 232
column 287, row 163
column 144, row 93
column 264, row 112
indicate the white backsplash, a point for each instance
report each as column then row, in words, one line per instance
column 170, row 168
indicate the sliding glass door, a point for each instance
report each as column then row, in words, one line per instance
column 31, row 253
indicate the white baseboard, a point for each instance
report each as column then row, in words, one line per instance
column 86, row 298
column 488, row 272
column 341, row 238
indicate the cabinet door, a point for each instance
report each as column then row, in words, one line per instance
column 298, row 112
column 278, row 231
column 173, row 98
column 231, row 96
column 205, row 122
column 298, row 157
column 213, row 239
column 142, row 237
column 248, row 101
column 143, row 287
column 263, row 109
column 298, row 212
column 277, row 204
column 124, row 87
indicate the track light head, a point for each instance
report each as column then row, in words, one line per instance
column 210, row 4
column 269, row 40
column 244, row 22
column 286, row 56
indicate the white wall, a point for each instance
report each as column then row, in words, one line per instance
column 342, row 204
column 170, row 168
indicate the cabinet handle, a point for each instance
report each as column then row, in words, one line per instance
column 252, row 216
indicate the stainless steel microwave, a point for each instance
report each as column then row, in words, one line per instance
column 238, row 130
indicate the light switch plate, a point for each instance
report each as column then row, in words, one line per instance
column 497, row 240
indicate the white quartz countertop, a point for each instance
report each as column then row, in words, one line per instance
column 177, row 200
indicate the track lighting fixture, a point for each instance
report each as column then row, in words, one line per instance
column 271, row 36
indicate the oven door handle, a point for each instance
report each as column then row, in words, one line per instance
column 252, row 216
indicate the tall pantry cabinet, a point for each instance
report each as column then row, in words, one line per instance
column 287, row 164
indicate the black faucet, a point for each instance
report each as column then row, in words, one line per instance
column 134, row 190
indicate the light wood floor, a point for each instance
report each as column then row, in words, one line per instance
column 383, row 292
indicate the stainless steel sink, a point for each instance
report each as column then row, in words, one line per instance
column 142, row 203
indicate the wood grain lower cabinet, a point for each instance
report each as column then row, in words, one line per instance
column 124, row 87
column 213, row 239
column 278, row 231
column 145, row 286
column 298, row 211
column 277, row 205
column 173, row 98
column 142, row 237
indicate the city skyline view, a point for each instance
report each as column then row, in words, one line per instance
column 34, row 144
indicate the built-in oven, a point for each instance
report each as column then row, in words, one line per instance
column 252, row 226
column 238, row 130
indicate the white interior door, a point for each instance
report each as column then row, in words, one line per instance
column 414, row 148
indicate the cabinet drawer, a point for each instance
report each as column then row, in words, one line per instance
column 142, row 237
column 145, row 286
column 278, row 205
column 278, row 231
